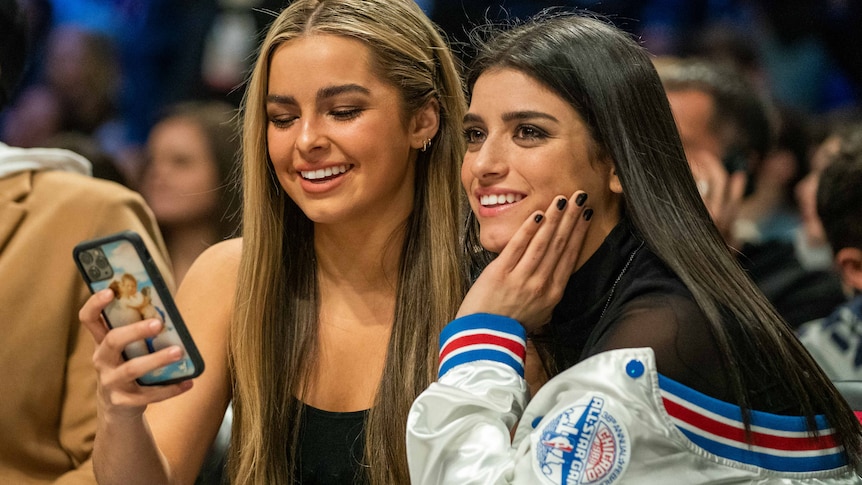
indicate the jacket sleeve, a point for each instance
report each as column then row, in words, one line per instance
column 458, row 430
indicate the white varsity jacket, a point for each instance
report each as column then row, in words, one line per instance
column 611, row 419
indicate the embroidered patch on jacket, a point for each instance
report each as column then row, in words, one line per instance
column 584, row 444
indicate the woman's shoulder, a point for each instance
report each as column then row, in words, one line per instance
column 223, row 256
column 680, row 334
column 214, row 272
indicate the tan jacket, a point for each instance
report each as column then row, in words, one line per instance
column 47, row 384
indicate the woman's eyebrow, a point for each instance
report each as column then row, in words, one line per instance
column 280, row 99
column 323, row 93
column 331, row 91
column 525, row 115
column 472, row 118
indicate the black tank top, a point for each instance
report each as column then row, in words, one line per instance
column 331, row 447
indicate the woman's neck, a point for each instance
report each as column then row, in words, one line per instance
column 604, row 220
column 364, row 258
column 358, row 271
column 185, row 243
column 357, row 277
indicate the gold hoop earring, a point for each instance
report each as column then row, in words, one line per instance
column 425, row 145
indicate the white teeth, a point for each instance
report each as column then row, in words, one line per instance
column 323, row 172
column 499, row 199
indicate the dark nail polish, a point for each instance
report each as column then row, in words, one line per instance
column 580, row 199
column 588, row 214
column 561, row 203
column 539, row 218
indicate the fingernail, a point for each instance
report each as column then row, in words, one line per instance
column 539, row 218
column 155, row 324
column 106, row 295
column 580, row 199
column 175, row 352
column 588, row 214
column 561, row 203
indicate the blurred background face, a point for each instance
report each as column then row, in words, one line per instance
column 180, row 182
column 692, row 111
column 806, row 191
column 38, row 115
column 82, row 70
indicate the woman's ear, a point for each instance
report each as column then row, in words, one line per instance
column 849, row 262
column 614, row 180
column 424, row 124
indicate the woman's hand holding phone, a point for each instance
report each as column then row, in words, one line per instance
column 526, row 281
column 119, row 393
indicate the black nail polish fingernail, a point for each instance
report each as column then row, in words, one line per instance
column 561, row 203
column 538, row 218
column 580, row 199
column 588, row 214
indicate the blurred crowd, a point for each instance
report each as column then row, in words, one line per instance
column 104, row 71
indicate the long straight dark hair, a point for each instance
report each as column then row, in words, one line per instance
column 611, row 82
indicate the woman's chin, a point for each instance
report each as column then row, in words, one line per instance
column 494, row 242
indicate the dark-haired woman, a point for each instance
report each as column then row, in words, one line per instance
column 666, row 364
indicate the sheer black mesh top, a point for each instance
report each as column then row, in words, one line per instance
column 624, row 296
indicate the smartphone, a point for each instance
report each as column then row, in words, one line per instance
column 122, row 262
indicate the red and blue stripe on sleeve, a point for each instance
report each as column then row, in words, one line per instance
column 781, row 443
column 483, row 336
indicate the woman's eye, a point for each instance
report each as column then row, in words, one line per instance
column 473, row 135
column 529, row 132
column 345, row 113
column 282, row 121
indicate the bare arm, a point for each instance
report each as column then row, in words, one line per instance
column 168, row 443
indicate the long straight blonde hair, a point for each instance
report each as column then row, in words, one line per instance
column 274, row 330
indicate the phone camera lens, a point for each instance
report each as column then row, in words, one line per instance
column 94, row 272
column 102, row 262
column 86, row 258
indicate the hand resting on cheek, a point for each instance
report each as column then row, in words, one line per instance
column 526, row 281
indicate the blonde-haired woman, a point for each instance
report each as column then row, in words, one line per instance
column 319, row 324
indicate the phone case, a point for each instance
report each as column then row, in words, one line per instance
column 121, row 261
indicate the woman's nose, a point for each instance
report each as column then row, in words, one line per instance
column 488, row 162
column 312, row 136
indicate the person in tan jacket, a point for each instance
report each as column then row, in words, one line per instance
column 48, row 204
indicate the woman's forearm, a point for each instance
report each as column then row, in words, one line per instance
column 125, row 453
